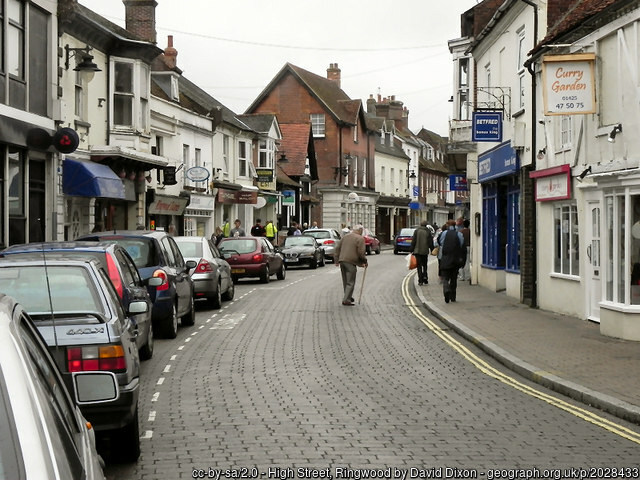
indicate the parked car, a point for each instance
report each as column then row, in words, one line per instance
column 212, row 274
column 156, row 254
column 328, row 239
column 78, row 312
column 122, row 271
column 301, row 250
column 371, row 242
column 402, row 241
column 44, row 433
column 252, row 257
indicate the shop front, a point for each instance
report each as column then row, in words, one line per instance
column 498, row 170
column 165, row 212
column 198, row 216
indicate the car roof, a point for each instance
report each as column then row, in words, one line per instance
column 86, row 245
column 71, row 260
column 127, row 233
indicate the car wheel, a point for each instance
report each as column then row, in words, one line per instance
column 378, row 250
column 282, row 273
column 146, row 352
column 322, row 262
column 234, row 279
column 189, row 318
column 170, row 327
column 127, row 440
column 264, row 276
column 395, row 251
column 313, row 263
column 216, row 300
column 368, row 250
column 228, row 295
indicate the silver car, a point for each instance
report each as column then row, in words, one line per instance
column 328, row 238
column 212, row 274
column 45, row 435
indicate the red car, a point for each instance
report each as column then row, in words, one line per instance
column 371, row 242
column 252, row 257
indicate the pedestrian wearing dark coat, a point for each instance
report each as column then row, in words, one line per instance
column 421, row 246
column 349, row 254
column 451, row 254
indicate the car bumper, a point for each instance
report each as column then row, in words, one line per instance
column 204, row 286
column 117, row 414
column 403, row 248
column 240, row 271
column 294, row 262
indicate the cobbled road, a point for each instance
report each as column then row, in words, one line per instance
column 285, row 382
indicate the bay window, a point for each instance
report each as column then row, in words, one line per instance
column 130, row 95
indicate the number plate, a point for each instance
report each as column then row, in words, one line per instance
column 237, row 270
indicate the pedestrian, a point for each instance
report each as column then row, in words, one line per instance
column 314, row 226
column 270, row 232
column 237, row 230
column 217, row 236
column 421, row 246
column 226, row 228
column 451, row 256
column 350, row 253
column 305, row 226
column 258, row 230
column 294, row 229
column 465, row 272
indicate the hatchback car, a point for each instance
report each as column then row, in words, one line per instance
column 371, row 242
column 156, row 254
column 122, row 271
column 78, row 312
column 44, row 432
column 301, row 250
column 252, row 257
column 212, row 274
column 402, row 241
column 328, row 239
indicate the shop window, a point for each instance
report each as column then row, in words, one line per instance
column 566, row 244
column 494, row 225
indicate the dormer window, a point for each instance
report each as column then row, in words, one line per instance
column 175, row 89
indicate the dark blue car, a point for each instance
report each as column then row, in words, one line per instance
column 156, row 254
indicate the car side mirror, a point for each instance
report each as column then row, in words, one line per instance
column 95, row 387
column 154, row 281
column 138, row 307
column 191, row 264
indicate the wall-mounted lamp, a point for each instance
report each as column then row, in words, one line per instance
column 612, row 135
column 412, row 174
column 584, row 173
column 283, row 159
column 101, row 101
column 344, row 170
column 85, row 63
column 541, row 153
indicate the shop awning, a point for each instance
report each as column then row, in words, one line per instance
column 144, row 160
column 90, row 179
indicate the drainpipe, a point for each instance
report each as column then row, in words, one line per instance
column 531, row 198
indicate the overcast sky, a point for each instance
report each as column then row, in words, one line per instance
column 232, row 49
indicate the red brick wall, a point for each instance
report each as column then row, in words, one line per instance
column 140, row 18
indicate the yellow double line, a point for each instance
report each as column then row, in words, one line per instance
column 487, row 369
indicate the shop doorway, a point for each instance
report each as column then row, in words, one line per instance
column 594, row 269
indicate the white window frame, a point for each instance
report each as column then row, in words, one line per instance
column 244, row 154
column 138, row 96
column 566, row 245
column 318, row 125
column 266, row 149
column 566, row 133
column 225, row 153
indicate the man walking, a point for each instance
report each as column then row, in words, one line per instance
column 350, row 254
column 271, row 231
column 451, row 254
column 421, row 246
column 237, row 231
column 258, row 230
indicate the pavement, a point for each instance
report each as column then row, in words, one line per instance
column 563, row 353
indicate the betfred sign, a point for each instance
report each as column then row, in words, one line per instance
column 487, row 127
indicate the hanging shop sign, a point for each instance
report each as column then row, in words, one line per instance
column 497, row 162
column 265, row 175
column 167, row 205
column 197, row 174
column 458, row 183
column 552, row 183
column 288, row 197
column 486, row 127
column 568, row 84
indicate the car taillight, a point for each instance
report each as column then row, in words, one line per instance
column 204, row 266
column 114, row 275
column 257, row 258
column 328, row 242
column 109, row 357
column 165, row 279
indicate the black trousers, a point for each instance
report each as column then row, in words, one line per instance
column 449, row 282
column 423, row 260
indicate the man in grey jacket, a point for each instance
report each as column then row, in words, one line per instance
column 421, row 246
column 350, row 253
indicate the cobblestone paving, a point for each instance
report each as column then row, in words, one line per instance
column 285, row 376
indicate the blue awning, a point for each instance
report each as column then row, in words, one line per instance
column 90, row 179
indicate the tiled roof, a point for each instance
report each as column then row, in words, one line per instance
column 295, row 145
column 260, row 122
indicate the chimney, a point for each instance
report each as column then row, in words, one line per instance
column 371, row 105
column 333, row 73
column 140, row 18
column 170, row 54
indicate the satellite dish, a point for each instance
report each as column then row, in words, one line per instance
column 261, row 202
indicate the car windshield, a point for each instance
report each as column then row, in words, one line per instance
column 72, row 290
column 240, row 246
column 406, row 232
column 190, row 248
column 298, row 241
column 318, row 234
column 142, row 250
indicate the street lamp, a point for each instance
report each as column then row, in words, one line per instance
column 344, row 171
column 85, row 65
